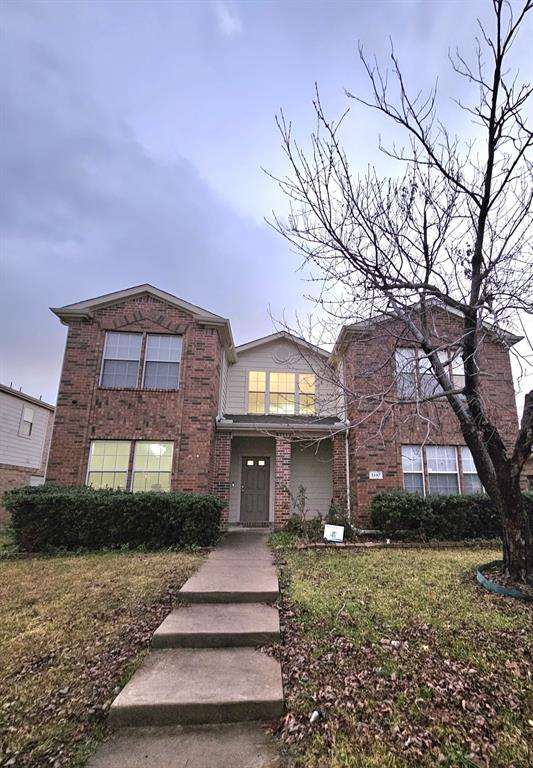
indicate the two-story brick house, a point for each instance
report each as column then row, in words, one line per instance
column 155, row 395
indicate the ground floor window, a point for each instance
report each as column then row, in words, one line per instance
column 109, row 465
column 152, row 466
column 438, row 464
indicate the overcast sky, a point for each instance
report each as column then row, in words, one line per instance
column 132, row 136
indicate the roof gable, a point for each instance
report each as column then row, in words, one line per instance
column 296, row 340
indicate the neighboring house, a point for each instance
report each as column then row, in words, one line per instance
column 25, row 433
column 155, row 395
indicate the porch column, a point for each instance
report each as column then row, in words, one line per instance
column 221, row 480
column 340, row 475
column 282, row 501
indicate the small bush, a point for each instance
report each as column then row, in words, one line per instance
column 451, row 518
column 338, row 516
column 49, row 517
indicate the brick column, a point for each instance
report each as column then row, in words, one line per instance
column 340, row 477
column 282, row 502
column 221, row 481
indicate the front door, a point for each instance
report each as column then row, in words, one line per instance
column 255, row 488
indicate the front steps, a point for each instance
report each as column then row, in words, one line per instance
column 203, row 669
column 214, row 625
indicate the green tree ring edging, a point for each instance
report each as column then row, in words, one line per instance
column 498, row 588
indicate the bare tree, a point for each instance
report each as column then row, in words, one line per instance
column 454, row 230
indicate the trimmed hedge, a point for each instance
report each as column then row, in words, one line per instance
column 49, row 517
column 451, row 518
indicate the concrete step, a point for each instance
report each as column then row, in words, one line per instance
column 221, row 582
column 186, row 686
column 235, row 745
column 218, row 626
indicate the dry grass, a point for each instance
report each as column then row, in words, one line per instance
column 71, row 629
column 410, row 661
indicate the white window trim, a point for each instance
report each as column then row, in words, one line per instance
column 146, row 471
column 438, row 472
column 445, row 355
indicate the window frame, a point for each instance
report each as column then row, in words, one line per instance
column 141, row 362
column 422, row 468
column 451, row 360
column 144, row 353
column 439, row 472
column 267, row 392
column 23, row 421
column 464, row 472
column 146, row 471
column 111, row 472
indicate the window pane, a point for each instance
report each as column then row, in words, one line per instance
column 467, row 460
column 25, row 428
column 429, row 385
column 412, row 458
column 472, row 484
column 441, row 458
column 458, row 371
column 282, row 382
column 123, row 346
column 282, row 403
column 110, row 455
column 307, row 382
column 256, row 381
column 152, row 455
column 107, row 479
column 307, row 405
column 444, row 484
column 413, row 482
column 151, row 481
column 120, row 373
column 163, row 349
column 256, row 402
column 161, row 375
column 406, row 372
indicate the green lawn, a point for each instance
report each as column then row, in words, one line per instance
column 411, row 664
column 72, row 629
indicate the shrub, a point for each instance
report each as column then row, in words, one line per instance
column 338, row 516
column 50, row 517
column 398, row 511
column 451, row 518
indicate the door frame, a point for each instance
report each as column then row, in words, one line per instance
column 269, row 463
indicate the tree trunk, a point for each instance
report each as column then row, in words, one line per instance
column 516, row 533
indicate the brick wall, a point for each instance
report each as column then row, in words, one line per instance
column 282, row 502
column 222, row 469
column 339, row 472
column 377, row 430
column 88, row 412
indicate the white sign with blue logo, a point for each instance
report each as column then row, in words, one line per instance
column 334, row 533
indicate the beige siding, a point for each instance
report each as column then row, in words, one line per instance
column 223, row 384
column 271, row 356
column 311, row 466
column 249, row 446
column 15, row 449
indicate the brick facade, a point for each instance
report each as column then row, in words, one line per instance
column 186, row 417
column 339, row 472
column 221, row 480
column 282, row 469
column 377, row 430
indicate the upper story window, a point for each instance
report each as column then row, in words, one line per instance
column 26, row 422
column 281, row 393
column 162, row 362
column 123, row 357
column 415, row 377
column 122, row 354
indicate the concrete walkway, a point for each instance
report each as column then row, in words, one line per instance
column 193, row 700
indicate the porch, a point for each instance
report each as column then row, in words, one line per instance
column 259, row 475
